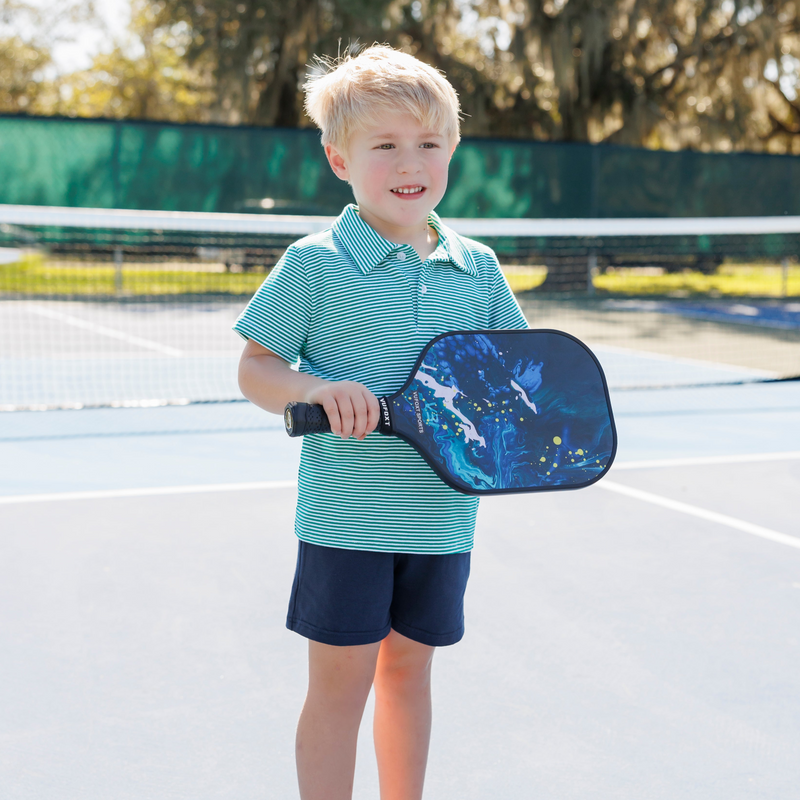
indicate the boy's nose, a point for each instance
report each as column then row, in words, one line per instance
column 409, row 164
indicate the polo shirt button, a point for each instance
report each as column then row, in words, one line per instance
column 401, row 256
column 423, row 288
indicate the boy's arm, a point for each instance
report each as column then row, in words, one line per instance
column 270, row 383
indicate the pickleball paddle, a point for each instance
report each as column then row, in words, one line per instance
column 494, row 412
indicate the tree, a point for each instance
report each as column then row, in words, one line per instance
column 258, row 50
column 152, row 82
column 22, row 85
column 712, row 74
column 27, row 35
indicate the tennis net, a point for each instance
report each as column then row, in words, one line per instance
column 105, row 308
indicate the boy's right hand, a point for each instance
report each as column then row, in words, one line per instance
column 352, row 409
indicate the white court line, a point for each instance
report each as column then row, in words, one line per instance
column 650, row 355
column 701, row 513
column 701, row 460
column 664, row 502
column 103, row 330
column 146, row 492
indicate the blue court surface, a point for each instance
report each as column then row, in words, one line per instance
column 637, row 639
column 762, row 313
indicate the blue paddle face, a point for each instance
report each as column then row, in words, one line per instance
column 508, row 411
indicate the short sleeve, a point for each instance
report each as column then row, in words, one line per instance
column 279, row 314
column 504, row 310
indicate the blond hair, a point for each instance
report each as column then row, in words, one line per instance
column 348, row 93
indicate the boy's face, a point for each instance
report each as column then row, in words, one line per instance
column 395, row 152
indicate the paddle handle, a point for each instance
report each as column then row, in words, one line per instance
column 302, row 419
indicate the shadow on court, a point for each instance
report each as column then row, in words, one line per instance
column 615, row 647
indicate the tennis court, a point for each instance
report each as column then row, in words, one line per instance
column 84, row 353
column 635, row 639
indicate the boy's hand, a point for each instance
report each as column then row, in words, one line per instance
column 352, row 409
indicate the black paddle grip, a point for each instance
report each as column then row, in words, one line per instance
column 301, row 419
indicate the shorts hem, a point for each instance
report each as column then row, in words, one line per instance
column 336, row 638
column 425, row 637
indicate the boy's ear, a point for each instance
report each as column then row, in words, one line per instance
column 337, row 162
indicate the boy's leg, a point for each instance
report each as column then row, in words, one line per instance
column 339, row 681
column 402, row 726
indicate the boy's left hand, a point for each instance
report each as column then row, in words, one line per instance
column 352, row 409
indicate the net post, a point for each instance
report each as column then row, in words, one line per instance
column 118, row 270
column 784, row 277
column 591, row 271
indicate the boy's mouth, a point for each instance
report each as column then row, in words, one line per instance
column 408, row 191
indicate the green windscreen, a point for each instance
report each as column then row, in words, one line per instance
column 148, row 165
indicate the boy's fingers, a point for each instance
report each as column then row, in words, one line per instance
column 346, row 415
column 332, row 412
column 351, row 408
column 373, row 412
column 361, row 416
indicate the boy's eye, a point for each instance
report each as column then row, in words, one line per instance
column 427, row 145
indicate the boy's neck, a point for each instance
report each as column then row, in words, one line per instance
column 429, row 245
column 424, row 241
column 424, row 244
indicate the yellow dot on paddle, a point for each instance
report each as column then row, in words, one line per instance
column 555, row 465
column 444, row 426
column 497, row 419
column 579, row 452
column 557, row 440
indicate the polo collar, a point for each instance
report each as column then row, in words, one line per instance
column 368, row 248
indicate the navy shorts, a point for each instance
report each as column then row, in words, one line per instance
column 350, row 597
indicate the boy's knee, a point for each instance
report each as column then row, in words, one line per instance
column 405, row 681
column 340, row 693
column 403, row 663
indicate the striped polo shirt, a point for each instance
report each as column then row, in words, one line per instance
column 348, row 304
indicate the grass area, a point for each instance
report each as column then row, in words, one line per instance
column 35, row 274
column 730, row 280
column 522, row 279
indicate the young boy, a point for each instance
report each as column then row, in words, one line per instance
column 384, row 546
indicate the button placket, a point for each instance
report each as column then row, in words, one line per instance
column 422, row 290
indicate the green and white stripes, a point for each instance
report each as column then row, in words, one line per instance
column 342, row 302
